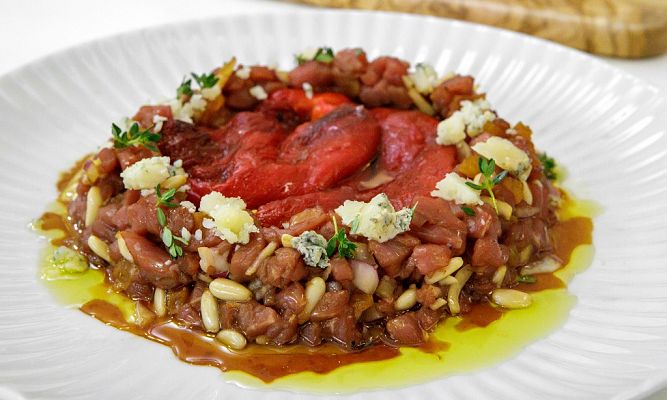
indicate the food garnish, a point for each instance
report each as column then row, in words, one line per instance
column 548, row 166
column 487, row 168
column 134, row 136
column 339, row 240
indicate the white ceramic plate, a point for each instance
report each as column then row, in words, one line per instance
column 606, row 127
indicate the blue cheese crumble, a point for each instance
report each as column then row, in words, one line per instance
column 375, row 220
column 313, row 248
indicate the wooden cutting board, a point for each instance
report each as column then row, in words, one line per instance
column 620, row 28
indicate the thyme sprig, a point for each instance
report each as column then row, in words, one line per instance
column 134, row 137
column 171, row 241
column 346, row 248
column 525, row 279
column 205, row 80
column 323, row 54
column 487, row 167
column 548, row 166
column 184, row 89
column 165, row 198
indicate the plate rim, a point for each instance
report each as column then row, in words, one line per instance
column 650, row 385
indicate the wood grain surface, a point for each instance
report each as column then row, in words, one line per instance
column 620, row 28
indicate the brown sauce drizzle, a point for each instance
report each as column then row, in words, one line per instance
column 66, row 177
column 263, row 362
column 479, row 316
column 567, row 235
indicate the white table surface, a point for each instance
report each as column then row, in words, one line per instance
column 34, row 28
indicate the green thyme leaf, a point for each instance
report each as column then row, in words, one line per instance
column 165, row 199
column 205, row 80
column 167, row 237
column 324, row 54
column 548, row 166
column 161, row 218
column 526, row 279
column 474, row 186
column 468, row 211
column 185, row 88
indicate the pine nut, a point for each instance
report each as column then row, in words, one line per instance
column 499, row 276
column 454, row 264
column 406, row 300
column 315, row 289
column 91, row 171
column 122, row 247
column 438, row 304
column 527, row 194
column 228, row 290
column 98, row 247
column 209, row 312
column 510, row 298
column 142, row 315
column 263, row 255
column 93, row 204
column 450, row 280
column 174, row 182
column 262, row 339
column 462, row 277
column 545, row 265
column 160, row 302
column 286, row 240
column 504, row 209
column 232, row 339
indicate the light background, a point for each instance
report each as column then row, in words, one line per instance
column 32, row 29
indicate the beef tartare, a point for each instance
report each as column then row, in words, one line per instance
column 347, row 201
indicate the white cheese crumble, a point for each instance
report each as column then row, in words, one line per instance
column 506, row 155
column 198, row 234
column 451, row 130
column 470, row 120
column 243, row 73
column 158, row 121
column 308, row 89
column 146, row 173
column 186, row 111
column 375, row 220
column 185, row 234
column 313, row 248
column 453, row 187
column 211, row 93
column 424, row 78
column 258, row 92
column 189, row 206
column 230, row 219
